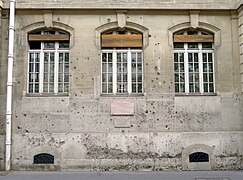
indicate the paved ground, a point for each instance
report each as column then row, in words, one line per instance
column 199, row 175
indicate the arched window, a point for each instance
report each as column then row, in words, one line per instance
column 43, row 158
column 122, row 62
column 194, row 62
column 48, row 62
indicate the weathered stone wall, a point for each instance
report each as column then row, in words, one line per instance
column 79, row 129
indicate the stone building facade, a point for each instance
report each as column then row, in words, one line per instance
column 142, row 85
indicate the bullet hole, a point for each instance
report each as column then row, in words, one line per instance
column 77, row 59
column 25, row 115
column 152, row 80
column 156, row 78
column 131, row 125
column 158, row 73
column 26, row 131
column 62, row 100
column 83, row 107
column 146, row 64
column 146, row 111
column 149, row 35
column 75, row 94
column 92, row 78
column 87, row 58
column 52, row 124
column 111, row 119
column 74, row 67
column 58, row 19
column 108, row 20
column 123, row 131
column 19, row 127
column 155, row 68
column 158, row 43
column 141, row 17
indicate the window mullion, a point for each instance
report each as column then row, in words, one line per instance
column 114, row 66
column 56, row 72
column 41, row 71
column 129, row 70
column 186, row 69
column 201, row 69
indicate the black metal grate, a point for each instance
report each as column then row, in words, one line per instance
column 199, row 157
column 43, row 158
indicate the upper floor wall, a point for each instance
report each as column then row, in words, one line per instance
column 127, row 4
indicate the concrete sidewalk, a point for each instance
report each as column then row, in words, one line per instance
column 188, row 175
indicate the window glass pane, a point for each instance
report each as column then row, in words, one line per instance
column 134, row 88
column 179, row 45
column 60, row 78
column 210, row 77
column 36, row 88
column 104, row 57
column 104, row 88
column 51, row 88
column 195, row 57
column 177, row 88
column 177, row 77
column 205, row 87
column 66, row 87
column 30, row 88
column 207, row 45
column 140, row 88
column 49, row 45
column 181, row 57
column 104, row 67
column 211, row 88
column 210, row 67
column 140, row 77
column 35, row 45
column 64, row 44
column 204, row 57
column 197, row 89
column 134, row 57
column 66, row 57
column 110, row 78
column 60, row 87
column 104, row 77
column 205, row 77
column 66, row 78
column 210, row 57
column 139, row 57
column 190, row 59
column 110, row 68
column 192, row 45
column 175, row 57
column 182, row 87
column 109, row 57
column 176, row 67
column 110, row 89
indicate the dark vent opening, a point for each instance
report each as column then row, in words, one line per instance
column 199, row 157
column 43, row 158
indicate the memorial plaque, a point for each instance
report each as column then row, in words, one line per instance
column 122, row 108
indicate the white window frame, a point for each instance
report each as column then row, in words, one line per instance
column 200, row 52
column 42, row 51
column 114, row 52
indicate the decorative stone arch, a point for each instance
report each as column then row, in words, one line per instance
column 201, row 26
column 55, row 25
column 130, row 25
column 47, row 150
column 186, row 165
